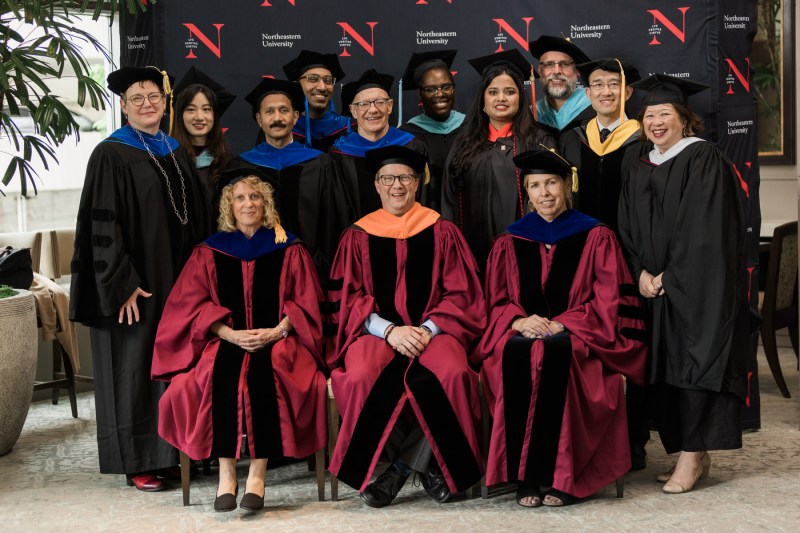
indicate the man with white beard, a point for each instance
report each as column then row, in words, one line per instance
column 562, row 107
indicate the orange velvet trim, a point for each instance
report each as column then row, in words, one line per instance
column 494, row 134
column 382, row 223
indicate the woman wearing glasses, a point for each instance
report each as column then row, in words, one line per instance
column 482, row 190
column 436, row 126
column 368, row 100
column 141, row 212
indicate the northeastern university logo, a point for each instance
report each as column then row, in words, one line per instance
column 506, row 31
column 661, row 22
column 735, row 74
column 197, row 37
column 350, row 36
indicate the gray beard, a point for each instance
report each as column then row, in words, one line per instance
column 561, row 93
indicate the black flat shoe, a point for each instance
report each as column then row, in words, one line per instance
column 529, row 491
column 226, row 502
column 383, row 490
column 252, row 501
column 562, row 498
column 638, row 457
column 435, row 484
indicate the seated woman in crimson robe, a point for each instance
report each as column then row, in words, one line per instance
column 410, row 306
column 240, row 344
column 564, row 323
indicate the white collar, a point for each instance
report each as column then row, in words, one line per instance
column 656, row 157
column 611, row 127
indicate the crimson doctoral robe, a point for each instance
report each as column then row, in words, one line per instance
column 429, row 275
column 218, row 391
column 582, row 282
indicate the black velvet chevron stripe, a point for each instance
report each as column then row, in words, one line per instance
column 329, row 330
column 334, row 284
column 372, row 421
column 630, row 311
column 628, row 289
column 103, row 215
column 102, row 241
column 635, row 334
column 328, row 308
column 443, row 424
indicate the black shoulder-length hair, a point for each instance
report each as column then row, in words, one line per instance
column 471, row 140
column 215, row 144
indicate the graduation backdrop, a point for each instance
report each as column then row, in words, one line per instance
column 238, row 42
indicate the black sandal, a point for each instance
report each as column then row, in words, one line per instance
column 529, row 491
column 563, row 497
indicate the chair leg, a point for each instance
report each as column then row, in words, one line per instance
column 620, row 486
column 320, row 457
column 771, row 352
column 70, row 376
column 793, row 327
column 333, row 435
column 57, row 349
column 185, row 475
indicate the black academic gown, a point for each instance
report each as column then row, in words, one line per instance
column 685, row 218
column 485, row 198
column 359, row 182
column 438, row 146
column 600, row 177
column 312, row 204
column 128, row 236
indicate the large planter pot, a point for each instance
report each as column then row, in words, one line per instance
column 18, row 349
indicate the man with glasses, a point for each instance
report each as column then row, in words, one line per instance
column 367, row 99
column 563, row 107
column 603, row 149
column 429, row 73
column 310, row 199
column 409, row 308
column 319, row 125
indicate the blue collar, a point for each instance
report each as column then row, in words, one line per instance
column 235, row 244
column 356, row 145
column 434, row 126
column 577, row 102
column 266, row 155
column 127, row 135
column 534, row 228
column 329, row 124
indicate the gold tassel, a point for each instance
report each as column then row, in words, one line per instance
column 427, row 174
column 280, row 233
column 621, row 91
column 167, row 94
column 574, row 179
column 574, row 169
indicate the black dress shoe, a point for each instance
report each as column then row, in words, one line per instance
column 226, row 502
column 383, row 490
column 435, row 484
column 252, row 502
column 638, row 457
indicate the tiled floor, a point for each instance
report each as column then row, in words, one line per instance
column 50, row 482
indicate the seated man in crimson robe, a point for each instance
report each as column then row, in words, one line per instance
column 409, row 308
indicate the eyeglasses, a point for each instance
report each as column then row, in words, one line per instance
column 380, row 103
column 313, row 79
column 138, row 99
column 388, row 179
column 599, row 86
column 550, row 65
column 447, row 88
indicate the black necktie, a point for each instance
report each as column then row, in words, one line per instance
column 604, row 133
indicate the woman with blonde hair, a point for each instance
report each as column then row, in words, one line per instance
column 241, row 343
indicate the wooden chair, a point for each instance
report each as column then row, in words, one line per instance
column 779, row 306
column 66, row 379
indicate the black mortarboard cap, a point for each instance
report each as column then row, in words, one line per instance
column 121, row 79
column 370, row 78
column 542, row 162
column 308, row 59
column 232, row 175
column 269, row 86
column 512, row 58
column 664, row 89
column 550, row 43
column 195, row 76
column 422, row 62
column 609, row 65
column 398, row 154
